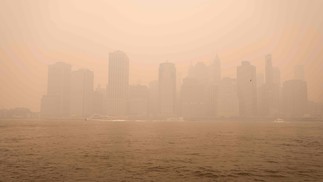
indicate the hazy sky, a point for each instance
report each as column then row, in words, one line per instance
column 36, row 33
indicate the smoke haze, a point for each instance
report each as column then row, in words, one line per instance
column 82, row 33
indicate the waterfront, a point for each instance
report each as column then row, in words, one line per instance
column 78, row 150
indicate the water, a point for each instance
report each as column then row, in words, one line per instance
column 160, row 151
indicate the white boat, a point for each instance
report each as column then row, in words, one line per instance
column 97, row 117
column 175, row 119
column 279, row 120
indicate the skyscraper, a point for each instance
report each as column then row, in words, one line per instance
column 81, row 93
column 271, row 89
column 138, row 101
column 196, row 92
column 247, row 89
column 299, row 72
column 118, row 84
column 213, row 87
column 268, row 70
column 199, row 91
column 294, row 98
column 153, row 103
column 194, row 101
column 56, row 103
column 167, row 89
column 99, row 98
column 215, row 71
column 228, row 105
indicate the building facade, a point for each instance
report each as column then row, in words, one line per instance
column 118, row 84
column 247, row 89
column 56, row 102
column 82, row 93
column 167, row 89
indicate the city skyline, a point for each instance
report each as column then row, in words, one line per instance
column 202, row 94
column 297, row 72
column 82, row 34
column 269, row 91
column 161, row 90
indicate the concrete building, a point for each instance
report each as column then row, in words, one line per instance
column 294, row 98
column 138, row 101
column 118, row 84
column 228, row 104
column 194, row 103
column 215, row 71
column 56, row 103
column 299, row 72
column 167, row 89
column 195, row 92
column 270, row 91
column 199, row 91
column 99, row 101
column 153, row 99
column 247, row 89
column 82, row 93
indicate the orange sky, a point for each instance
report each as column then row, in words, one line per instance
column 36, row 33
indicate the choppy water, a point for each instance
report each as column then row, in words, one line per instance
column 160, row 151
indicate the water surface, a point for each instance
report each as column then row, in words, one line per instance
column 77, row 150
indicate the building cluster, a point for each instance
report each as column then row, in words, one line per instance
column 18, row 112
column 202, row 94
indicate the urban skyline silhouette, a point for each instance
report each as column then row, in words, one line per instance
column 161, row 90
column 203, row 94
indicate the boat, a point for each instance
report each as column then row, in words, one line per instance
column 279, row 120
column 97, row 117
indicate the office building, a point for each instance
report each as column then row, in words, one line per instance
column 56, row 103
column 247, row 89
column 167, row 89
column 81, row 93
column 118, row 84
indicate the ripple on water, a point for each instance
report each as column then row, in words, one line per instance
column 144, row 151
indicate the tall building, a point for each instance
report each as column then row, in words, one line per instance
column 268, row 69
column 56, row 103
column 118, row 84
column 260, row 80
column 194, row 103
column 260, row 94
column 99, row 101
column 271, row 90
column 247, row 89
column 195, row 95
column 272, row 74
column 153, row 99
column 276, row 76
column 215, row 71
column 228, row 104
column 294, row 98
column 199, row 91
column 315, row 109
column 167, row 89
column 299, row 72
column 213, row 87
column 138, row 101
column 81, row 93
